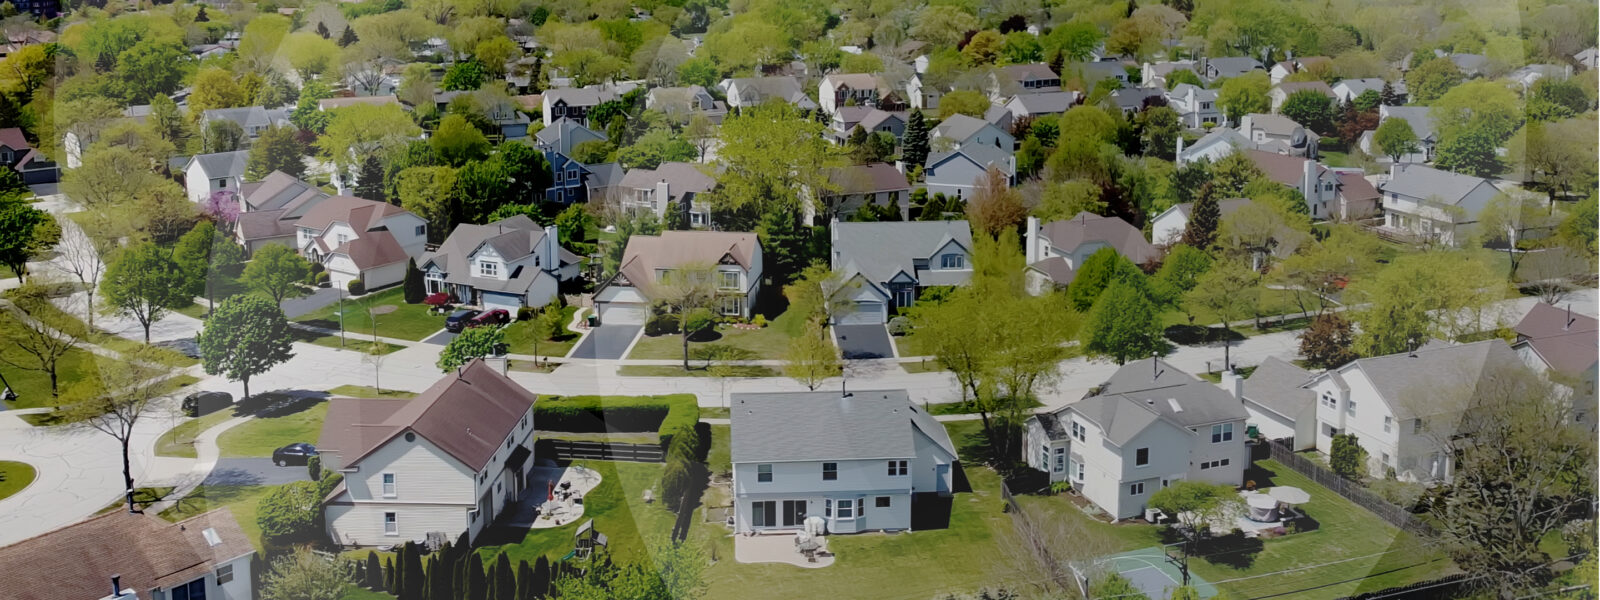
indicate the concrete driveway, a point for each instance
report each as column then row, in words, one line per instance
column 864, row 341
column 254, row 471
column 321, row 297
column 607, row 342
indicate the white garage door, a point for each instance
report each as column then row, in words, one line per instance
column 865, row 313
column 619, row 313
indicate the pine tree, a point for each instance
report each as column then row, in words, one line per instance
column 369, row 180
column 477, row 587
column 200, row 17
column 505, row 579
column 414, row 291
column 374, row 580
column 398, row 588
column 10, row 113
column 388, row 574
column 1204, row 220
column 525, row 581
column 541, row 578
column 414, row 587
column 348, row 37
column 1387, row 96
column 458, row 575
column 786, row 241
column 322, row 30
column 916, row 139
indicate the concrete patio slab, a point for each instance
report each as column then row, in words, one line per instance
column 776, row 548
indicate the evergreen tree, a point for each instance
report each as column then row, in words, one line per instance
column 505, row 579
column 916, row 139
column 477, row 587
column 458, row 574
column 541, row 578
column 348, row 37
column 1388, row 97
column 388, row 574
column 785, row 242
column 200, row 17
column 10, row 113
column 415, row 586
column 369, row 180
column 322, row 30
column 525, row 581
column 1203, row 222
column 414, row 290
column 439, row 576
column 374, row 579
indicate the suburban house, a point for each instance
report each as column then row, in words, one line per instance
column 1195, row 106
column 886, row 264
column 251, row 119
column 684, row 102
column 570, row 179
column 447, row 461
column 960, row 130
column 806, row 455
column 1527, row 75
column 1154, row 74
column 1399, row 406
column 1280, row 93
column 134, row 556
column 1421, row 122
column 1347, row 90
column 207, row 173
column 361, row 239
column 999, row 116
column 858, row 185
column 507, row 264
column 1133, row 100
column 858, row 89
column 1561, row 344
column 1041, row 104
column 870, row 120
column 1213, row 146
column 957, row 172
column 270, row 208
column 1226, row 67
column 648, row 259
column 573, row 103
column 1168, row 227
column 745, row 92
column 1331, row 195
column 1285, row 68
column 33, row 166
column 921, row 95
column 1471, row 65
column 1015, row 80
column 1147, row 427
column 1278, row 134
column 1424, row 202
column 1280, row 406
column 1055, row 251
column 504, row 114
column 651, row 190
column 1092, row 73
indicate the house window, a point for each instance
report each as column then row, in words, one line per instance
column 1044, row 457
column 733, row 305
column 897, row 468
column 343, row 238
column 1388, row 424
column 830, row 471
column 764, row 513
column 847, row 509
column 1079, row 469
column 1329, row 430
column 559, row 175
column 572, row 174
column 903, row 297
column 391, row 525
column 388, row 485
column 794, row 512
column 1141, row 457
column 1215, row 464
column 1077, row 431
column 1136, row 489
column 1416, row 426
column 730, row 280
column 224, row 574
column 882, row 502
column 194, row 590
column 1328, row 401
column 952, row 261
column 488, row 269
column 827, row 507
column 1222, row 433
column 764, row 473
column 1061, row 459
column 1350, row 406
column 221, row 183
column 422, row 230
column 1385, row 456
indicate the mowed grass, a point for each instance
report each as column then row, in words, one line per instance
column 618, row 509
column 179, row 441
column 770, row 342
column 407, row 322
column 520, row 337
column 258, row 437
column 363, row 391
column 32, row 386
column 696, row 370
column 14, row 476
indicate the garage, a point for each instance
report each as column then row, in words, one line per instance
column 864, row 312
column 623, row 313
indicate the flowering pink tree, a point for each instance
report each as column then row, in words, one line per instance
column 222, row 207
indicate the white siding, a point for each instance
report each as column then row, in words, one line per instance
column 1233, row 451
column 857, row 479
column 363, row 523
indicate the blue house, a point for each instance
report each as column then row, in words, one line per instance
column 572, row 181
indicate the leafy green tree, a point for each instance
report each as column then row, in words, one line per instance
column 1554, row 99
column 1100, row 271
column 143, row 282
column 593, row 151
column 1123, row 325
column 1198, row 506
column 215, row 88
column 291, row 514
column 983, row 47
column 1430, row 80
column 1073, row 41
column 656, row 146
column 471, row 343
column 1065, row 200
column 1181, row 271
column 307, row 114
column 972, row 103
column 1558, row 155
column 1346, row 457
column 1326, row 344
column 358, row 131
column 1310, row 108
column 1394, row 138
column 222, row 136
column 1114, row 585
column 246, row 336
column 1438, row 294
column 467, row 75
column 413, row 286
column 276, row 149
column 812, row 357
column 769, row 152
column 1245, row 94
column 429, row 193
column 276, row 272
column 1228, row 290
column 1471, row 151
column 26, row 233
column 1182, row 76
column 1579, row 227
column 457, row 142
column 38, row 331
column 305, row 576
column 152, row 67
column 699, row 71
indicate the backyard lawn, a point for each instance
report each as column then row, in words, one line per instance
column 618, row 509
column 519, row 337
column 769, row 342
column 14, row 476
column 407, row 322
column 258, row 437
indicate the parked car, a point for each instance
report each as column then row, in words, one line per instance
column 205, row 403
column 497, row 316
column 458, row 320
column 293, row 454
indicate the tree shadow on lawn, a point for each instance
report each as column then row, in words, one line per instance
column 1262, row 476
column 278, row 403
column 1195, row 335
column 1234, row 550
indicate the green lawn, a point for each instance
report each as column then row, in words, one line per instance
column 33, row 387
column 362, row 391
column 172, row 385
column 360, row 593
column 962, row 408
column 909, row 345
column 353, row 341
column 769, row 342
column 179, row 441
column 261, row 435
column 519, row 337
column 720, row 456
column 925, row 365
column 1273, row 302
column 618, row 510
column 14, row 476
column 696, row 371
column 407, row 322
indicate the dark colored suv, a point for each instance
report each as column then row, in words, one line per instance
column 457, row 320
column 205, row 403
column 293, row 454
column 497, row 316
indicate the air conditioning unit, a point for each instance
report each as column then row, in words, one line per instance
column 1154, row 515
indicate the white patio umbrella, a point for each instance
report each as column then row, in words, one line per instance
column 1289, row 494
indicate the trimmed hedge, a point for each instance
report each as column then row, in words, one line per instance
column 631, row 414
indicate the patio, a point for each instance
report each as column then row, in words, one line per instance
column 1268, row 511
column 779, row 548
column 553, row 497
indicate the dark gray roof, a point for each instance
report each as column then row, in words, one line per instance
column 1276, row 385
column 1424, row 182
column 1119, row 418
column 1232, row 66
column 1052, row 426
column 605, row 174
column 1406, row 379
column 983, row 155
column 1135, row 398
column 563, row 134
column 811, row 426
column 959, row 127
column 222, row 164
column 1046, row 103
column 512, row 237
column 1191, row 403
column 1419, row 117
column 880, row 250
column 1144, row 374
column 248, row 116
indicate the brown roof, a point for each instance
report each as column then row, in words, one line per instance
column 466, row 414
column 864, row 179
column 1566, row 341
column 78, row 561
column 361, row 214
column 12, row 138
column 1057, row 269
column 353, row 425
column 857, row 81
column 264, row 224
column 1355, row 186
column 1089, row 227
column 646, row 253
column 1033, row 70
column 1545, row 321
column 1281, row 168
column 373, row 249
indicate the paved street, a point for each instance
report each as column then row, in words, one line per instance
column 254, row 471
column 607, row 342
column 864, row 341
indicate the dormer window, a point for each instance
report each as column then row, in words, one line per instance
column 488, row 269
column 952, row 261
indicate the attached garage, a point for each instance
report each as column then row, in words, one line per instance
column 865, row 312
column 623, row 313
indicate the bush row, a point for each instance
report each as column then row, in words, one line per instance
column 599, row 414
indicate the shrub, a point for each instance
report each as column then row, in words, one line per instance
column 759, row 321
column 662, row 324
column 597, row 414
column 1060, row 487
column 899, row 326
column 698, row 320
column 525, row 312
column 292, row 514
column 314, row 467
column 321, row 279
column 356, row 287
column 1346, row 457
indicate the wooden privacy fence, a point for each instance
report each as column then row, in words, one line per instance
column 582, row 450
column 1399, row 517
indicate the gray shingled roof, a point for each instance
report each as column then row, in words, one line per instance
column 1419, row 117
column 1119, row 418
column 563, row 134
column 247, row 116
column 811, row 426
column 223, row 164
column 1070, row 234
column 465, row 238
column 1047, row 102
column 1275, row 384
column 1138, row 395
column 1406, row 379
column 1233, row 66
column 1144, row 374
column 982, row 155
column 880, row 250
column 959, row 127
column 1420, row 181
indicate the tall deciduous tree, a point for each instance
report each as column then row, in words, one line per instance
column 38, row 331
column 115, row 403
column 1123, row 325
column 1327, row 342
column 457, row 142
column 688, row 290
column 276, row 149
column 769, row 152
column 471, row 343
column 1439, row 294
column 245, row 336
column 1228, row 290
column 25, row 233
column 277, row 272
column 1102, row 269
column 143, row 282
column 1198, row 506
column 362, row 130
column 1244, row 95
column 995, row 206
column 812, row 357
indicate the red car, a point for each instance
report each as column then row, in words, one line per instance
column 490, row 317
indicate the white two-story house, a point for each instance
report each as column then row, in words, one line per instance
column 886, row 264
column 507, row 264
column 354, row 238
column 857, row 462
column 648, row 260
column 207, row 173
column 857, row 89
column 449, row 460
column 1402, row 406
column 1149, row 426
column 1433, row 204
